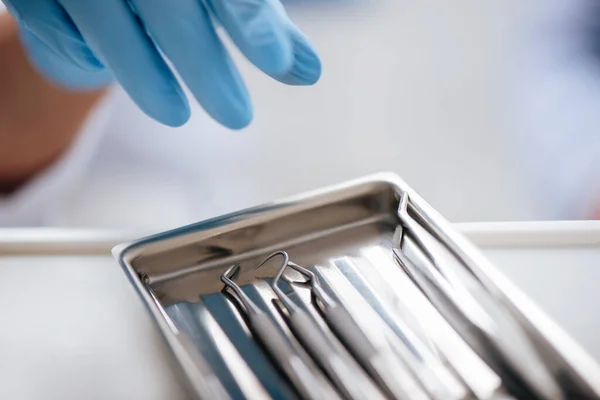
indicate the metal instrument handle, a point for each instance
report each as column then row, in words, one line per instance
column 308, row 385
column 349, row 382
column 375, row 361
column 344, row 326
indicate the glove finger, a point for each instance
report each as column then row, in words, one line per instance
column 53, row 26
column 306, row 69
column 114, row 34
column 259, row 31
column 184, row 32
column 60, row 71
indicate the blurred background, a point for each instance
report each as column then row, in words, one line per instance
column 488, row 109
column 417, row 88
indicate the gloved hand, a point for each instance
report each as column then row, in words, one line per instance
column 126, row 39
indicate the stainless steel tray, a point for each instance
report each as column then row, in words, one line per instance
column 415, row 289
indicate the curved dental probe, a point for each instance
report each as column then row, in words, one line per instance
column 347, row 377
column 308, row 384
column 227, row 279
column 316, row 290
column 283, row 298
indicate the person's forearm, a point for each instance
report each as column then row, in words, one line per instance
column 38, row 121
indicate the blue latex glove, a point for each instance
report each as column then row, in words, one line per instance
column 83, row 44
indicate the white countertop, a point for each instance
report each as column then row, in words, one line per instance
column 74, row 328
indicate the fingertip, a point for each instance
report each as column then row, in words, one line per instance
column 177, row 116
column 171, row 110
column 239, row 119
column 276, row 56
column 260, row 32
column 307, row 66
column 158, row 95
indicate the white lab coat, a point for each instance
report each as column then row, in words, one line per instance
column 126, row 171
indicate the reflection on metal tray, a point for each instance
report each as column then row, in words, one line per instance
column 360, row 291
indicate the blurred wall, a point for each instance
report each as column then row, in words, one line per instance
column 411, row 87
